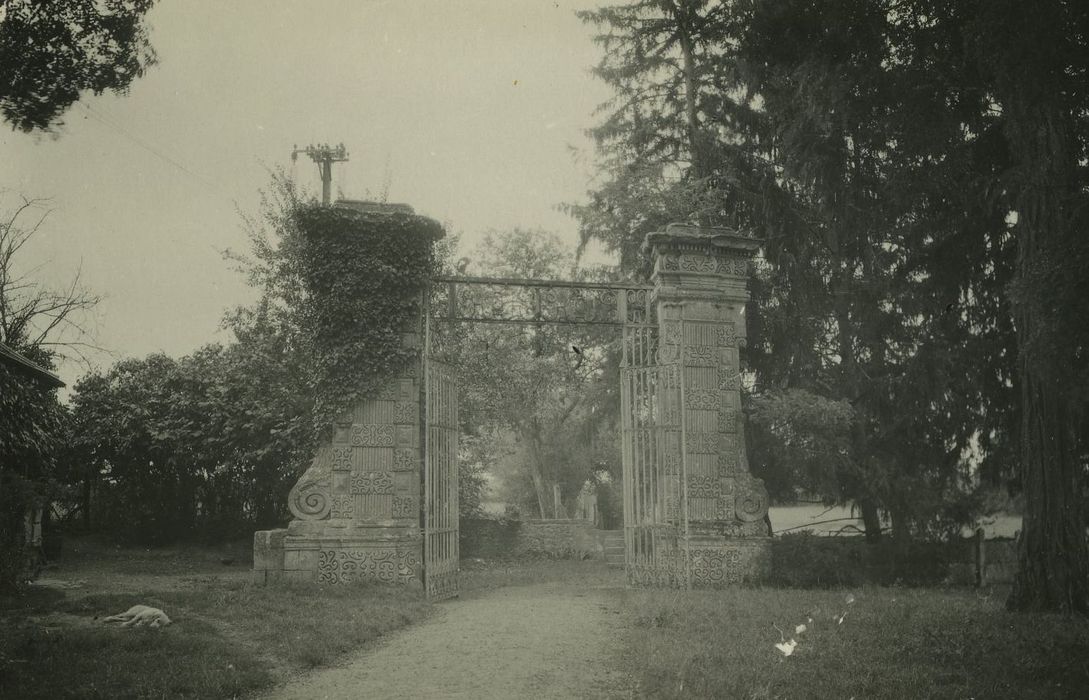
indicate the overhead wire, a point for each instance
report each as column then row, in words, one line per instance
column 112, row 124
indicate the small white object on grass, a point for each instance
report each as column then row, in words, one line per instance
column 786, row 648
column 800, row 628
column 140, row 615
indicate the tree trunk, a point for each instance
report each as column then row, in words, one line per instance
column 537, row 474
column 1053, row 562
column 871, row 519
column 691, row 118
column 901, row 540
column 265, row 493
column 1053, row 572
column 867, row 504
column 89, row 475
column 1032, row 86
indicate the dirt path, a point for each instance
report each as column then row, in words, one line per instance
column 521, row 642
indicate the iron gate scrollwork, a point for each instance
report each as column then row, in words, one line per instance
column 655, row 497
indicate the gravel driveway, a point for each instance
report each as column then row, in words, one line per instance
column 522, row 642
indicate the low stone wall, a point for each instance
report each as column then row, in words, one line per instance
column 384, row 554
column 268, row 556
column 718, row 562
column 560, row 538
column 484, row 538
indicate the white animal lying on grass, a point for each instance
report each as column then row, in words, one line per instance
column 139, row 615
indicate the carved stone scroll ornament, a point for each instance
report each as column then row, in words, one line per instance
column 342, row 566
column 668, row 354
column 751, row 503
column 310, row 497
column 708, row 566
column 726, row 335
column 703, row 486
column 342, row 459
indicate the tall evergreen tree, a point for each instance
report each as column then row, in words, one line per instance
column 884, row 261
column 1036, row 59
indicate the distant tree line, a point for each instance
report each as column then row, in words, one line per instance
column 205, row 445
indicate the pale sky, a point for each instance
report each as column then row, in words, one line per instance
column 472, row 105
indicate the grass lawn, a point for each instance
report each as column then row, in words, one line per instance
column 229, row 638
column 893, row 643
column 232, row 639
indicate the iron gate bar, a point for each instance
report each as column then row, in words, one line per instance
column 440, row 474
column 531, row 282
column 684, row 467
column 604, row 311
column 655, row 479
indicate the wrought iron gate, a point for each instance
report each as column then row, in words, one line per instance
column 655, row 497
column 440, row 480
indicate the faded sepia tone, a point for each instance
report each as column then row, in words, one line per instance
column 544, row 349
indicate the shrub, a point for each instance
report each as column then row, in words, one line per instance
column 805, row 560
column 488, row 538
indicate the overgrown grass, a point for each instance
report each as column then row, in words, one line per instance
column 88, row 556
column 894, row 643
column 229, row 638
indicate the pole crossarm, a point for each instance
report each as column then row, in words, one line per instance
column 534, row 301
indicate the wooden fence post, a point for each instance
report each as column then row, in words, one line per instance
column 980, row 557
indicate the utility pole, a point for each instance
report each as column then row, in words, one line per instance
column 324, row 155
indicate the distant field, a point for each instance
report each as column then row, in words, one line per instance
column 812, row 517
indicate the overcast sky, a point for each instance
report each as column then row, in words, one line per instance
column 472, row 107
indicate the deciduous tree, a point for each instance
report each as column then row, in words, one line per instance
column 53, row 50
column 545, row 384
column 38, row 322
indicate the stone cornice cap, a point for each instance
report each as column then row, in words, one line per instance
column 688, row 234
column 370, row 207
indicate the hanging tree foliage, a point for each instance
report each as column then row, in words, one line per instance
column 52, row 50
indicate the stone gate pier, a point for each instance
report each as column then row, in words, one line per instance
column 357, row 508
column 700, row 290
